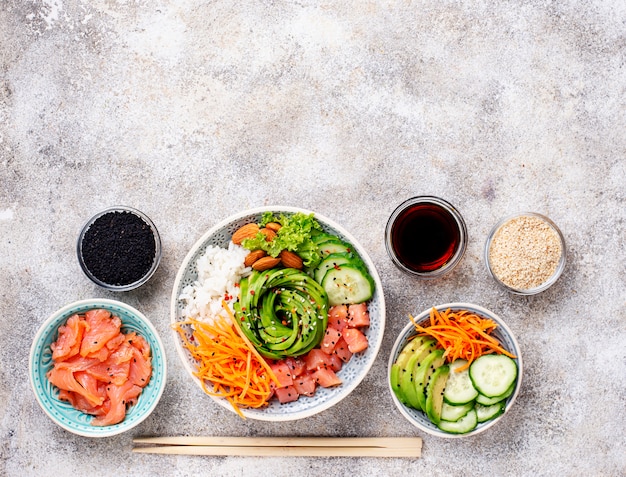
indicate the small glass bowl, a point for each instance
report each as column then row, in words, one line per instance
column 146, row 276
column 546, row 283
column 444, row 208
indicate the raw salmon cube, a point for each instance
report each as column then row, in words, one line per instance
column 283, row 373
column 330, row 339
column 338, row 317
column 287, row 394
column 326, row 377
column 316, row 359
column 356, row 340
column 297, row 366
column 335, row 363
column 305, row 384
column 358, row 316
column 341, row 350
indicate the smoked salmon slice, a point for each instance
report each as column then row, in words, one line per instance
column 98, row 369
column 76, row 363
column 101, row 327
column 108, row 372
column 63, row 378
column 91, row 384
column 140, row 369
column 70, row 338
column 119, row 397
column 140, row 343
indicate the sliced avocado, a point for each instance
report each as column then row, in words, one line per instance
column 407, row 379
column 395, row 382
column 399, row 365
column 406, row 384
column 434, row 393
column 302, row 303
column 426, row 370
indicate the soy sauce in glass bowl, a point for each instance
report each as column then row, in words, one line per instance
column 119, row 248
column 426, row 237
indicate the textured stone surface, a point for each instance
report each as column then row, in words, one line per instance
column 194, row 110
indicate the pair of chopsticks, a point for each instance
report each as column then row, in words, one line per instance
column 282, row 446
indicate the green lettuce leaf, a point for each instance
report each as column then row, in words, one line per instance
column 294, row 235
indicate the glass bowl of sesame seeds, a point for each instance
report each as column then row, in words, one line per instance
column 119, row 248
column 525, row 253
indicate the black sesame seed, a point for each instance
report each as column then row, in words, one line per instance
column 118, row 248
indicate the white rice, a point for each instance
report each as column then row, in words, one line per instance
column 219, row 271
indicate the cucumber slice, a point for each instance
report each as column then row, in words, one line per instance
column 493, row 374
column 459, row 389
column 333, row 245
column 488, row 401
column 320, row 237
column 347, row 285
column 464, row 425
column 454, row 413
column 335, row 260
column 486, row 413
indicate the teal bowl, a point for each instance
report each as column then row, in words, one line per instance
column 61, row 412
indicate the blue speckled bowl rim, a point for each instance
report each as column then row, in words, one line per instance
column 356, row 369
column 502, row 333
column 62, row 413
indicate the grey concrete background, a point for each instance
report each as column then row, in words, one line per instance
column 195, row 110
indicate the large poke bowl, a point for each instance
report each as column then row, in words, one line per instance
column 351, row 373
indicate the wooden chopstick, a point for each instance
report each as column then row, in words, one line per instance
column 283, row 446
column 281, row 441
column 304, row 451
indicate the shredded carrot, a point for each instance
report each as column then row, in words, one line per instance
column 247, row 341
column 228, row 362
column 462, row 335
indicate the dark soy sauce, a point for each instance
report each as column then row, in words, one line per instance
column 425, row 237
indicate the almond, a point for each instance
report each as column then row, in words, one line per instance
column 253, row 257
column 275, row 226
column 247, row 231
column 265, row 263
column 291, row 260
column 269, row 234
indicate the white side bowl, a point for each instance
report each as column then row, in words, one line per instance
column 502, row 333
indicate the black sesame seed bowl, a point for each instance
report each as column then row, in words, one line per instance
column 119, row 248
